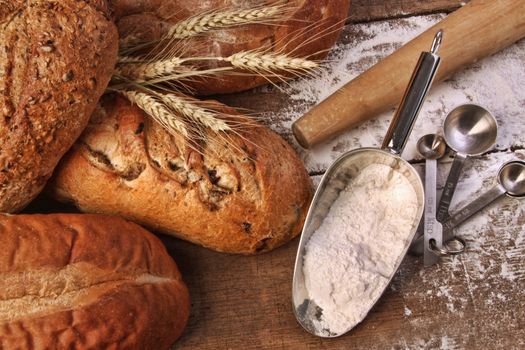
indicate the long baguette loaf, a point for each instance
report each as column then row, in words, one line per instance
column 245, row 197
column 56, row 58
column 302, row 28
column 86, row 282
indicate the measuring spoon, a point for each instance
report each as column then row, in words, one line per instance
column 341, row 173
column 511, row 181
column 470, row 130
column 431, row 147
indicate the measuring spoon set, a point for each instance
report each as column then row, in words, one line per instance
column 469, row 130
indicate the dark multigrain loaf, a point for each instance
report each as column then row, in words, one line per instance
column 245, row 197
column 56, row 58
column 307, row 29
column 86, row 282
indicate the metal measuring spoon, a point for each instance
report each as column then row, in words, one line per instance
column 431, row 147
column 470, row 130
column 511, row 182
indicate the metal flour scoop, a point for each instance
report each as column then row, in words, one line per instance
column 347, row 167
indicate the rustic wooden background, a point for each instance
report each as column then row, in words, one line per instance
column 473, row 301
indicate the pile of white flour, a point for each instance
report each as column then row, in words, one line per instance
column 352, row 255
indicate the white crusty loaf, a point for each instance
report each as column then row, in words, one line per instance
column 247, row 196
column 87, row 282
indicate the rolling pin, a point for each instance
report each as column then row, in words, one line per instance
column 477, row 30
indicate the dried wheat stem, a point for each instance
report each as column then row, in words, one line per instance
column 196, row 113
column 221, row 19
column 268, row 62
column 130, row 60
column 158, row 111
column 150, row 70
column 128, row 41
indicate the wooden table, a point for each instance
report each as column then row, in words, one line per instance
column 472, row 301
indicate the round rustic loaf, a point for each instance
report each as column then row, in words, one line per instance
column 87, row 282
column 308, row 28
column 248, row 196
column 56, row 59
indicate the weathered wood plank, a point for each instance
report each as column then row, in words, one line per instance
column 374, row 10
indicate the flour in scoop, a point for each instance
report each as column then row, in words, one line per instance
column 351, row 257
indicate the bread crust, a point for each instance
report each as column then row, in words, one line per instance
column 56, row 60
column 151, row 19
column 91, row 282
column 245, row 197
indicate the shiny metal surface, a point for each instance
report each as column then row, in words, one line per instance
column 470, row 130
column 347, row 167
column 511, row 182
column 512, row 178
column 337, row 177
column 431, row 147
column 454, row 246
column 436, row 44
column 410, row 106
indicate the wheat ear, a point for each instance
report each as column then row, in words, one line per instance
column 268, row 62
column 157, row 111
column 173, row 69
column 203, row 116
column 143, row 71
column 222, row 19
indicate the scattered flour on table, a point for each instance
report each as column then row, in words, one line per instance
column 351, row 257
column 408, row 312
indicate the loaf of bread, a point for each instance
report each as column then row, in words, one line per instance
column 56, row 58
column 250, row 195
column 86, row 282
column 306, row 28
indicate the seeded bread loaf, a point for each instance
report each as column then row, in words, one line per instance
column 86, row 282
column 245, row 197
column 305, row 28
column 56, row 58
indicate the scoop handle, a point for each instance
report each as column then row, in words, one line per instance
column 478, row 29
column 412, row 101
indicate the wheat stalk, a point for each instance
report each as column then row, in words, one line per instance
column 203, row 116
column 157, row 111
column 143, row 71
column 221, row 19
column 130, row 60
column 128, row 41
column 172, row 69
column 268, row 62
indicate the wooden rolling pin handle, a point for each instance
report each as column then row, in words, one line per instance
column 477, row 30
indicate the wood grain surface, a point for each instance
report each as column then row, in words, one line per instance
column 373, row 10
column 472, row 301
